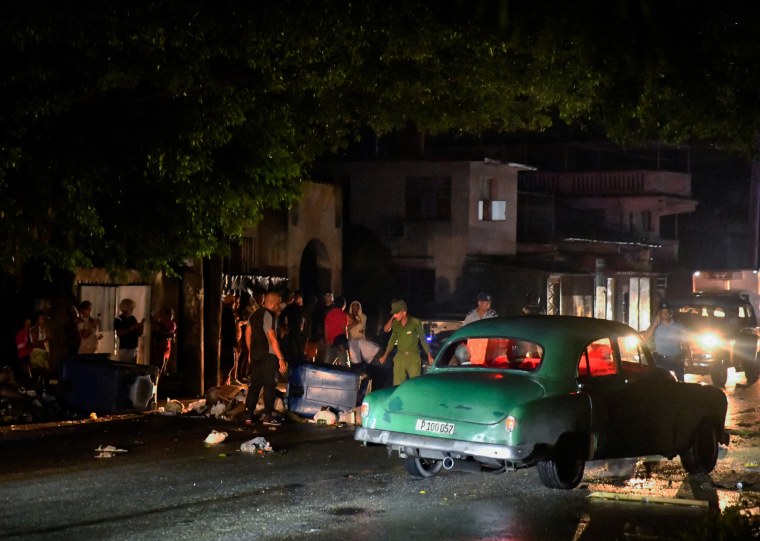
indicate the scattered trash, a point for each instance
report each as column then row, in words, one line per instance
column 325, row 417
column 218, row 409
column 347, row 417
column 256, row 445
column 173, row 407
column 647, row 499
column 739, row 485
column 108, row 451
column 216, row 437
column 199, row 406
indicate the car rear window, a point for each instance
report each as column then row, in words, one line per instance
column 505, row 353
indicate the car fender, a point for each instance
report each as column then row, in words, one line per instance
column 544, row 422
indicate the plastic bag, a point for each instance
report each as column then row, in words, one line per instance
column 255, row 445
column 216, row 437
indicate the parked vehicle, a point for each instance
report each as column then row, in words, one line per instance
column 544, row 391
column 723, row 333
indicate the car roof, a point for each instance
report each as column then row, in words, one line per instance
column 713, row 298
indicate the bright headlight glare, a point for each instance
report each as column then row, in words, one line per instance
column 365, row 409
column 511, row 423
column 708, row 341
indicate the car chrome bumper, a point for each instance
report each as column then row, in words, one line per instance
column 397, row 441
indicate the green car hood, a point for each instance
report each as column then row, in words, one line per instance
column 475, row 396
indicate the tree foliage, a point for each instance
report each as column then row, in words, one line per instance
column 140, row 134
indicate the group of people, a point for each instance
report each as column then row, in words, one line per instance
column 34, row 367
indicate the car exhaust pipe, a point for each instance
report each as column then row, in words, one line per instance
column 461, row 465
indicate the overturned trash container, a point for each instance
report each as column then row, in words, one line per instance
column 96, row 383
column 312, row 387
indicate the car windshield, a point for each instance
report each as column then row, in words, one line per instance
column 506, row 353
column 701, row 315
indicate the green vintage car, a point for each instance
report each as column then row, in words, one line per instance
column 545, row 391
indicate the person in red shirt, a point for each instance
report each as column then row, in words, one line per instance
column 336, row 321
column 23, row 368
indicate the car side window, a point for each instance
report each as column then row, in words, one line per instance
column 597, row 359
column 633, row 359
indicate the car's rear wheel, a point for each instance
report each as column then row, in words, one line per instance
column 565, row 465
column 702, row 453
column 719, row 373
column 422, row 467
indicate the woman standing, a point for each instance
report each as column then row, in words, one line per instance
column 88, row 329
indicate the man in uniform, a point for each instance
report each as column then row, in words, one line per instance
column 407, row 335
column 483, row 310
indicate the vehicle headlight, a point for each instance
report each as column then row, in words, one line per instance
column 511, row 423
column 365, row 410
column 709, row 341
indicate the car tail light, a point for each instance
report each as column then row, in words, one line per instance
column 365, row 410
column 511, row 423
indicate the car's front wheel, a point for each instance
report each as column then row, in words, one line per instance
column 719, row 373
column 752, row 370
column 702, row 453
column 422, row 467
column 565, row 465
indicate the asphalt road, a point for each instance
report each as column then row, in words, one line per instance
column 318, row 483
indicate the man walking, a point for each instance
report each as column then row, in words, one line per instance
column 266, row 358
column 407, row 335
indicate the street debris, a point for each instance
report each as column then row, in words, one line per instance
column 257, row 445
column 108, row 451
column 325, row 417
column 641, row 498
column 173, row 407
column 216, row 437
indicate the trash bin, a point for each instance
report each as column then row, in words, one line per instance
column 312, row 387
column 96, row 383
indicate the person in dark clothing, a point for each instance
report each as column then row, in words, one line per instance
column 229, row 350
column 292, row 339
column 266, row 358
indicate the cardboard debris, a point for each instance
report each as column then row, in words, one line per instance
column 642, row 498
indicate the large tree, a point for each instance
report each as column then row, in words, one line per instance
column 139, row 134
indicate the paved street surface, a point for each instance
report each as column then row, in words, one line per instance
column 318, row 483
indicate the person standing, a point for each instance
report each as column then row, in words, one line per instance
column 163, row 330
column 266, row 358
column 23, row 367
column 669, row 338
column 336, row 323
column 40, row 356
column 128, row 331
column 88, row 328
column 229, row 349
column 71, row 332
column 407, row 336
column 292, row 329
column 357, row 332
column 482, row 311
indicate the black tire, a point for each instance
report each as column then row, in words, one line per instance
column 564, row 468
column 423, row 468
column 752, row 371
column 702, row 454
column 719, row 374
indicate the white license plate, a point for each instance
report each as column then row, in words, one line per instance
column 434, row 426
